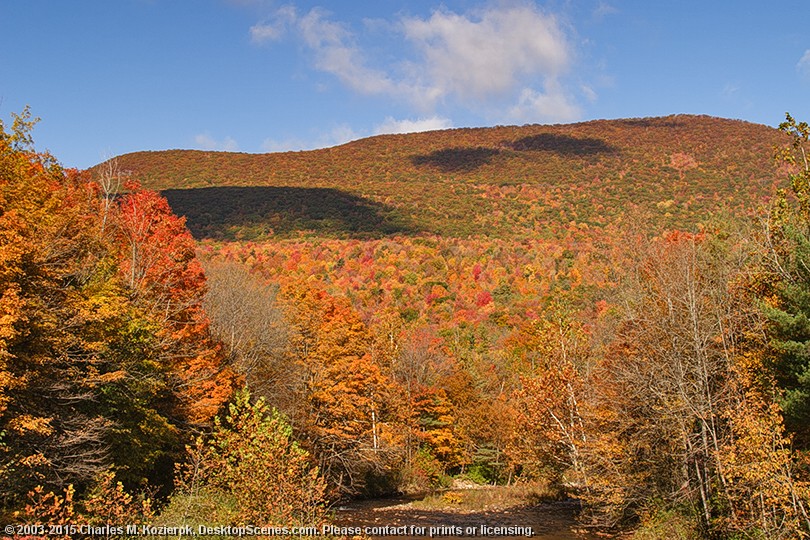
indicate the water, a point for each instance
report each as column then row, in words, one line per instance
column 396, row 519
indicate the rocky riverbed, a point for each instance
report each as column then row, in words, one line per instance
column 411, row 518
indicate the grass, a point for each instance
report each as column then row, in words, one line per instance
column 669, row 524
column 489, row 498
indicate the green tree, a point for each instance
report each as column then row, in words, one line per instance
column 784, row 285
column 251, row 459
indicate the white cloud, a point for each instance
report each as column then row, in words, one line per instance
column 553, row 105
column 604, row 9
column 390, row 125
column 589, row 93
column 490, row 53
column 491, row 60
column 284, row 145
column 266, row 32
column 206, row 142
column 336, row 53
column 338, row 135
column 804, row 64
column 343, row 133
column 274, row 29
column 730, row 90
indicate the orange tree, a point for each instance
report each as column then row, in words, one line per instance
column 97, row 372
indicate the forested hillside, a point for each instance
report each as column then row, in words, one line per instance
column 581, row 304
column 509, row 182
column 615, row 311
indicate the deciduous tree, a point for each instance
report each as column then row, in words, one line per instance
column 251, row 457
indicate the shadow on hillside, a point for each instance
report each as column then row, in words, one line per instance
column 456, row 160
column 244, row 213
column 563, row 145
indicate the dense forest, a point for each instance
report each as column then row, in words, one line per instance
column 617, row 310
column 506, row 182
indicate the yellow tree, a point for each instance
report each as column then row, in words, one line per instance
column 666, row 379
column 90, row 378
column 683, row 413
column 49, row 372
column 349, row 419
column 550, row 430
column 251, row 458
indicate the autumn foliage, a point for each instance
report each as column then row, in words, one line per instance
column 571, row 304
column 617, row 361
column 251, row 457
column 105, row 355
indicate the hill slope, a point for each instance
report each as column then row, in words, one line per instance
column 509, row 182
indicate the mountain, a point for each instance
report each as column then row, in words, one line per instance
column 505, row 301
column 505, row 181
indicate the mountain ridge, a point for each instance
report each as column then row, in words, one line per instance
column 495, row 180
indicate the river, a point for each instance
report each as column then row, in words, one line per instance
column 398, row 519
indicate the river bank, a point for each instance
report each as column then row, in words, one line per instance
column 471, row 512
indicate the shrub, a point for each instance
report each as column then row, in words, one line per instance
column 251, row 462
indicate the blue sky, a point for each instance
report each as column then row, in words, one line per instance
column 110, row 77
